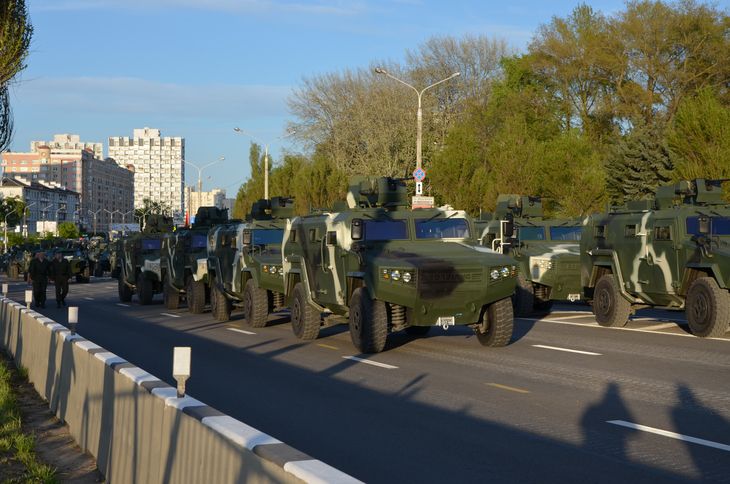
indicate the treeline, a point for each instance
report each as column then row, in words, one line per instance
column 600, row 108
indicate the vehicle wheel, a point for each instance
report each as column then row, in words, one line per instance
column 221, row 306
column 523, row 300
column 79, row 278
column 125, row 292
column 86, row 274
column 609, row 306
column 304, row 318
column 144, row 290
column 708, row 308
column 418, row 330
column 170, row 295
column 498, row 322
column 255, row 305
column 368, row 322
column 98, row 271
column 195, row 294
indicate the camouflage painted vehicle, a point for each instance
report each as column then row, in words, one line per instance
column 672, row 252
column 245, row 265
column 387, row 268
column 115, row 252
column 19, row 262
column 77, row 260
column 98, row 255
column 139, row 261
column 184, row 261
column 546, row 251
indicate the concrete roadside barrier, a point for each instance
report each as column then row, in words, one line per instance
column 134, row 425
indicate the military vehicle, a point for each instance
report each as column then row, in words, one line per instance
column 80, row 269
column 671, row 251
column 98, row 256
column 245, row 263
column 138, row 260
column 387, row 268
column 184, row 261
column 546, row 251
column 19, row 262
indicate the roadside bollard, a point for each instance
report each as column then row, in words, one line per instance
column 28, row 297
column 73, row 318
column 181, row 368
column 5, row 290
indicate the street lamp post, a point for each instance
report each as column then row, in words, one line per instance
column 25, row 219
column 419, row 114
column 95, row 213
column 266, row 155
column 200, row 176
column 58, row 210
column 6, row 229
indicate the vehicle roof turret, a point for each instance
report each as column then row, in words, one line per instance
column 207, row 217
column 519, row 206
column 274, row 208
column 157, row 223
column 376, row 192
column 699, row 192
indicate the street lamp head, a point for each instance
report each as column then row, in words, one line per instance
column 380, row 70
column 221, row 158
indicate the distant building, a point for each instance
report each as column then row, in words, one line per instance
column 195, row 199
column 229, row 203
column 105, row 188
column 159, row 167
column 45, row 201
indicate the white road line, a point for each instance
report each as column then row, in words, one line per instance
column 577, row 316
column 240, row 331
column 123, row 305
column 369, row 362
column 672, row 435
column 596, row 325
column 567, row 350
column 171, row 315
column 110, row 287
column 660, row 326
column 89, row 298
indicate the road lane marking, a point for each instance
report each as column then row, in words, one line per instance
column 370, row 362
column 123, row 305
column 110, row 287
column 171, row 315
column 660, row 326
column 672, row 435
column 327, row 346
column 556, row 348
column 89, row 298
column 240, row 331
column 576, row 316
column 505, row 387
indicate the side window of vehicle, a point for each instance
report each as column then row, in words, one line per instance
column 312, row 235
column 293, row 235
column 599, row 231
column 662, row 232
column 630, row 230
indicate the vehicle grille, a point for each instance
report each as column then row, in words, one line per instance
column 441, row 281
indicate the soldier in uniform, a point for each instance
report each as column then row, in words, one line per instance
column 38, row 275
column 60, row 273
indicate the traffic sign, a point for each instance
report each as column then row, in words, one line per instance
column 422, row 202
column 419, row 188
column 419, row 174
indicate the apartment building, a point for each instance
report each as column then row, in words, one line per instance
column 45, row 201
column 195, row 199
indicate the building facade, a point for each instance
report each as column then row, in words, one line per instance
column 159, row 167
column 195, row 199
column 46, row 202
column 69, row 143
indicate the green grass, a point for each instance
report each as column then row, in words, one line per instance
column 17, row 447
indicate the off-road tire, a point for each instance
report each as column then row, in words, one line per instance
column 220, row 305
column 418, row 330
column 368, row 322
column 86, row 274
column 125, row 292
column 145, row 292
column 255, row 305
column 98, row 270
column 305, row 319
column 170, row 295
column 195, row 294
column 609, row 306
column 707, row 308
column 497, row 324
column 523, row 300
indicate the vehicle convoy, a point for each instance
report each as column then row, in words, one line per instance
column 545, row 249
column 388, row 268
column 139, row 260
column 98, row 255
column 74, row 254
column 672, row 252
column 184, row 261
column 245, row 263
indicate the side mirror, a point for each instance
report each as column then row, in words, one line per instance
column 704, row 225
column 246, row 237
column 356, row 229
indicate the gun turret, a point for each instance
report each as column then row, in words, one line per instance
column 157, row 223
column 207, row 217
column 275, row 208
column 372, row 192
column 519, row 206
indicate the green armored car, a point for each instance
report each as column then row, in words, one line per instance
column 138, row 259
column 387, row 268
column 245, row 263
column 184, row 261
column 545, row 249
column 672, row 251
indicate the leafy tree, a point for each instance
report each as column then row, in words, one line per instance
column 150, row 207
column 68, row 230
column 12, row 207
column 253, row 189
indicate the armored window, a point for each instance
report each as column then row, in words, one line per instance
column 442, row 228
column 630, row 230
column 268, row 236
column 599, row 231
column 293, row 236
column 385, row 229
column 312, row 235
column 531, row 233
column 662, row 233
column 571, row 232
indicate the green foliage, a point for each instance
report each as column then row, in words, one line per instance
column 12, row 208
column 150, row 207
column 68, row 230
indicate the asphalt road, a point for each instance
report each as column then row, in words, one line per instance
column 566, row 401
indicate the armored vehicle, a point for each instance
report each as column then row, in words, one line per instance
column 671, row 251
column 184, row 261
column 98, row 255
column 139, row 260
column 77, row 260
column 387, row 268
column 245, row 263
column 19, row 262
column 545, row 249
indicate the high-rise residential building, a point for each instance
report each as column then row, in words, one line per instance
column 106, row 189
column 195, row 199
column 159, row 167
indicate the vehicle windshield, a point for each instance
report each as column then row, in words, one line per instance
column 267, row 236
column 385, row 230
column 565, row 233
column 198, row 241
column 151, row 244
column 449, row 228
column 531, row 233
column 718, row 226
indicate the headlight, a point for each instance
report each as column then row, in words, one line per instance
column 386, row 274
column 494, row 274
column 281, row 271
column 406, row 277
column 265, row 268
column 395, row 275
column 505, row 271
column 543, row 264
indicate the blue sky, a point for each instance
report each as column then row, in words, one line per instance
column 197, row 68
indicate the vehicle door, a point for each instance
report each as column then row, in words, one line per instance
column 659, row 268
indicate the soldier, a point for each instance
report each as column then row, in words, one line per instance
column 60, row 273
column 38, row 275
